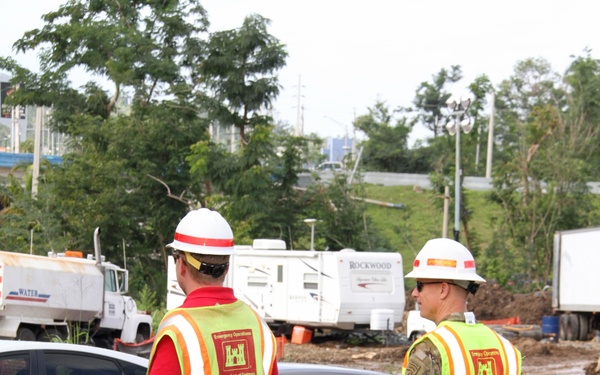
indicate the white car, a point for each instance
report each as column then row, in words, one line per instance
column 330, row 166
column 289, row 368
column 37, row 358
column 42, row 358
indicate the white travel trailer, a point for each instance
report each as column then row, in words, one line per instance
column 344, row 289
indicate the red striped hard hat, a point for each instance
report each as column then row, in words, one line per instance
column 203, row 231
column 444, row 259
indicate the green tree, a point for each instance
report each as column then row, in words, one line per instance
column 238, row 72
column 126, row 168
column 431, row 97
column 386, row 149
column 541, row 183
column 138, row 45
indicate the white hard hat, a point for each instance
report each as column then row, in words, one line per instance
column 444, row 259
column 203, row 231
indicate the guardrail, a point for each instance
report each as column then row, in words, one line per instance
column 419, row 180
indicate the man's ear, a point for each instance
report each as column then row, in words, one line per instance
column 445, row 290
column 183, row 268
column 227, row 269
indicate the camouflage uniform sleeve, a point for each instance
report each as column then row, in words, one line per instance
column 425, row 359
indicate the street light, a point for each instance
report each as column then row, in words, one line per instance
column 458, row 116
column 311, row 223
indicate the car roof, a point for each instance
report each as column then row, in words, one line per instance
column 289, row 368
column 15, row 346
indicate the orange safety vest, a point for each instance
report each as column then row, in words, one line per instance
column 224, row 339
column 471, row 349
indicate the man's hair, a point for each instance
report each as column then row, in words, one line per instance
column 203, row 278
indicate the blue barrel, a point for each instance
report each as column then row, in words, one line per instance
column 551, row 327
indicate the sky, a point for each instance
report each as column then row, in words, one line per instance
column 345, row 55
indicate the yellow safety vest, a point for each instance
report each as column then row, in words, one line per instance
column 224, row 339
column 471, row 349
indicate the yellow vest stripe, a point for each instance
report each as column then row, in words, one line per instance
column 510, row 353
column 169, row 328
column 188, row 343
column 268, row 346
column 446, row 347
column 456, row 344
column 204, row 360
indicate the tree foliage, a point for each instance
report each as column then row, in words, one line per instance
column 386, row 149
column 431, row 97
column 238, row 72
column 541, row 183
column 141, row 153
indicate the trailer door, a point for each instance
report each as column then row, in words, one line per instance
column 303, row 288
column 279, row 306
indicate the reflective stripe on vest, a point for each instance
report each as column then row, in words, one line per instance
column 189, row 339
column 458, row 359
column 269, row 344
column 511, row 355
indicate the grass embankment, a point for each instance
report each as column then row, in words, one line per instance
column 409, row 228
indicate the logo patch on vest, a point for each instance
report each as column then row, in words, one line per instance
column 235, row 352
column 487, row 362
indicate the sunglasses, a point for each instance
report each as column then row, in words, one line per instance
column 420, row 284
column 176, row 255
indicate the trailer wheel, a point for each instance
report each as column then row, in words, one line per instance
column 583, row 327
column 573, row 327
column 563, row 326
column 25, row 334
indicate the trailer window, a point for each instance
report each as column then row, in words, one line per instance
column 311, row 281
column 280, row 273
column 257, row 281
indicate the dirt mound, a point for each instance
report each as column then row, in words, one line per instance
column 494, row 302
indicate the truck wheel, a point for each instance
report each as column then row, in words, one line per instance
column 583, row 327
column 142, row 334
column 25, row 334
column 50, row 334
column 573, row 327
column 103, row 343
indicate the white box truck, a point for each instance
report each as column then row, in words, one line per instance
column 575, row 277
column 344, row 289
column 68, row 297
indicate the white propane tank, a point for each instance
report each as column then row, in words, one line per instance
column 382, row 319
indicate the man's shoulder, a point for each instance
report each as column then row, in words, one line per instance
column 424, row 359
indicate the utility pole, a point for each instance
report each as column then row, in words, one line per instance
column 354, row 137
column 490, row 145
column 14, row 130
column 37, row 140
column 445, row 214
column 298, row 131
